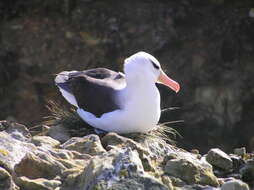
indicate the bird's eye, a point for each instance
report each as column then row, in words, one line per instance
column 155, row 65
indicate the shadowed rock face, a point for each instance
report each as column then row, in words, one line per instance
column 206, row 46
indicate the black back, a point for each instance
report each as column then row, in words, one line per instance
column 95, row 89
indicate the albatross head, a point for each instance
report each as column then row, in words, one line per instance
column 143, row 66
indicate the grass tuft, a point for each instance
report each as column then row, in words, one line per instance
column 69, row 119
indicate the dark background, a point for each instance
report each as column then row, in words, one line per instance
column 205, row 45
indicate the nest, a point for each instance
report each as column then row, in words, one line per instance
column 70, row 120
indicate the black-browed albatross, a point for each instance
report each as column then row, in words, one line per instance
column 117, row 102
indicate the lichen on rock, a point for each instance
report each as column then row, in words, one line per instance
column 111, row 161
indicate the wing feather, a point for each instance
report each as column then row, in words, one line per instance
column 94, row 90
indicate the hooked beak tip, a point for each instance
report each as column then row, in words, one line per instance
column 177, row 88
column 164, row 79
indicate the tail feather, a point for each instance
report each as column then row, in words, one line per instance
column 61, row 81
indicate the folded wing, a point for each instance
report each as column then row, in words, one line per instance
column 93, row 90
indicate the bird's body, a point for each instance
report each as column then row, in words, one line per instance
column 115, row 102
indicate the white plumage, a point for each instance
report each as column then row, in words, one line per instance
column 138, row 99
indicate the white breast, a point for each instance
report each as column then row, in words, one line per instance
column 142, row 108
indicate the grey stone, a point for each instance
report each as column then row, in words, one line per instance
column 12, row 150
column 39, row 165
column 240, row 151
column 220, row 159
column 37, row 184
column 6, row 180
column 234, row 185
column 59, row 133
column 45, row 140
column 247, row 171
column 90, row 144
column 191, row 172
column 118, row 169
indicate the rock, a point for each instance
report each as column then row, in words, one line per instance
column 118, row 169
column 196, row 187
column 238, row 162
column 13, row 150
column 234, row 185
column 45, row 140
column 82, row 163
column 59, row 133
column 41, row 165
column 137, row 183
column 177, row 181
column 48, row 163
column 18, row 131
column 90, row 144
column 113, row 139
column 4, row 174
column 190, row 171
column 247, row 171
column 251, row 13
column 6, row 181
column 38, row 184
column 220, row 159
column 167, row 181
column 240, row 151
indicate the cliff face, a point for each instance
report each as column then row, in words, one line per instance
column 207, row 47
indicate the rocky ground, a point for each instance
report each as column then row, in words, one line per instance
column 54, row 160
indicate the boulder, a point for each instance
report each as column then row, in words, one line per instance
column 90, row 144
column 45, row 140
column 247, row 171
column 41, row 165
column 190, row 171
column 38, row 184
column 234, row 185
column 240, row 151
column 219, row 159
column 59, row 133
column 13, row 147
column 6, row 181
column 118, row 169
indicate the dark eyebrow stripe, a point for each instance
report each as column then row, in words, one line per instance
column 155, row 65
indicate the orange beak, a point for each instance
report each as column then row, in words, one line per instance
column 164, row 79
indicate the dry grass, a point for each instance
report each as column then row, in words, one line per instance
column 69, row 119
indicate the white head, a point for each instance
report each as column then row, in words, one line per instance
column 144, row 67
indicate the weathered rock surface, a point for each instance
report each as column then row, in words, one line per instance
column 118, row 169
column 191, row 171
column 14, row 146
column 59, row 133
column 90, row 144
column 110, row 162
column 240, row 151
column 235, row 184
column 37, row 184
column 6, row 180
column 45, row 141
column 220, row 159
column 247, row 171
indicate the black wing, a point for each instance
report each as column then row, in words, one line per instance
column 94, row 90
